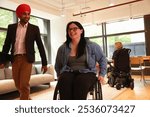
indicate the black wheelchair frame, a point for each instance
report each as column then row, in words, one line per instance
column 95, row 91
column 120, row 73
column 121, row 79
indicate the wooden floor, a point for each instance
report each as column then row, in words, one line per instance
column 141, row 91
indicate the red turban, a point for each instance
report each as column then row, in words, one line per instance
column 22, row 8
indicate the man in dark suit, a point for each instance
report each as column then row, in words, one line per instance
column 20, row 39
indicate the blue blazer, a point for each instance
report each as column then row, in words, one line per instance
column 32, row 36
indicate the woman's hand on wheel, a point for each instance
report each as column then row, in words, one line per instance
column 101, row 80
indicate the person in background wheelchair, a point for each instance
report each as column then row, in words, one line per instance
column 119, row 69
column 76, row 64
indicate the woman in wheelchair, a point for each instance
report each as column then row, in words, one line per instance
column 75, row 64
column 119, row 73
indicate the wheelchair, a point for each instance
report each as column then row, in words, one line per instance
column 95, row 91
column 119, row 75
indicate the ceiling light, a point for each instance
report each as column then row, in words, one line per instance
column 130, row 13
column 62, row 9
column 111, row 3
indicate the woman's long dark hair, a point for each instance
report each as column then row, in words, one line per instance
column 82, row 42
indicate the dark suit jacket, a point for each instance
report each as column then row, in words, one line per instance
column 4, row 58
column 32, row 35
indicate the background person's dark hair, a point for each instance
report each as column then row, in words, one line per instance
column 82, row 42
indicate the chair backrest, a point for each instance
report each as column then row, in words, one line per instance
column 136, row 60
column 145, row 61
column 146, row 58
column 122, row 60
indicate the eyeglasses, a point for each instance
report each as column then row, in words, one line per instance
column 74, row 29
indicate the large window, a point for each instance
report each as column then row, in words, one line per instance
column 133, row 41
column 2, row 38
column 38, row 58
column 6, row 18
column 42, row 24
column 93, row 30
column 39, row 22
column 125, row 26
column 129, row 32
column 99, row 41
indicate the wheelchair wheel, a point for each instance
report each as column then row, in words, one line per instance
column 56, row 93
column 111, row 81
column 98, row 91
column 132, row 85
column 118, row 86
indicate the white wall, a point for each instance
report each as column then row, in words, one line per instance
column 58, row 35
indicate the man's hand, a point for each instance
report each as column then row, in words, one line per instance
column 2, row 66
column 44, row 69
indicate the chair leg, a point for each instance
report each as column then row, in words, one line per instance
column 143, row 78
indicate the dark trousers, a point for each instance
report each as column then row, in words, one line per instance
column 75, row 86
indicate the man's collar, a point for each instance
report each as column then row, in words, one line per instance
column 24, row 25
